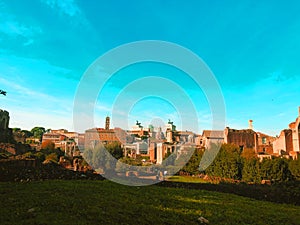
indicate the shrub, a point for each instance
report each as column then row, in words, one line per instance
column 52, row 157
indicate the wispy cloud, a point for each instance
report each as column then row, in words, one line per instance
column 11, row 27
column 12, row 65
column 14, row 28
column 102, row 108
column 29, row 42
column 70, row 12
column 21, row 90
column 67, row 7
column 21, row 78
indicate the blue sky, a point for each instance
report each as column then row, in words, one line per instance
column 252, row 47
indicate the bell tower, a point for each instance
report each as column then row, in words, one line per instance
column 250, row 124
column 107, row 122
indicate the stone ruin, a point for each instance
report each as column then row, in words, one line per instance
column 4, row 120
column 7, row 141
column 5, row 131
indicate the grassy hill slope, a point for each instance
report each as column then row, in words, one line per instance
column 104, row 202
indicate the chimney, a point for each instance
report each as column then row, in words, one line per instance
column 250, row 124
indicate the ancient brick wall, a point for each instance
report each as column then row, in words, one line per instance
column 4, row 119
column 5, row 132
column 288, row 140
column 265, row 148
column 245, row 138
column 265, row 143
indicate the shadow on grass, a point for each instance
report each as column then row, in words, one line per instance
column 280, row 193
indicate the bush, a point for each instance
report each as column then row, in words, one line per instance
column 48, row 145
column 40, row 155
column 52, row 157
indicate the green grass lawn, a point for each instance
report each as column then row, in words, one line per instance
column 104, row 202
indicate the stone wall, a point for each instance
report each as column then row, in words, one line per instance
column 265, row 148
column 284, row 142
column 265, row 143
column 5, row 132
column 244, row 138
column 4, row 119
column 288, row 141
column 296, row 134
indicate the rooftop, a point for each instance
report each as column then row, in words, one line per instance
column 213, row 133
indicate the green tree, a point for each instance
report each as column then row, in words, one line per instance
column 251, row 166
column 192, row 166
column 227, row 164
column 16, row 129
column 251, row 170
column 26, row 133
column 115, row 149
column 294, row 167
column 38, row 132
column 275, row 169
column 266, row 169
column 248, row 153
column 105, row 157
column 280, row 170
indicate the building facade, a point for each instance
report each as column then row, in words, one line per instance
column 104, row 136
column 246, row 138
column 211, row 137
column 288, row 142
column 63, row 139
column 265, row 143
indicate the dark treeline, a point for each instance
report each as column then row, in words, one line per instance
column 232, row 163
